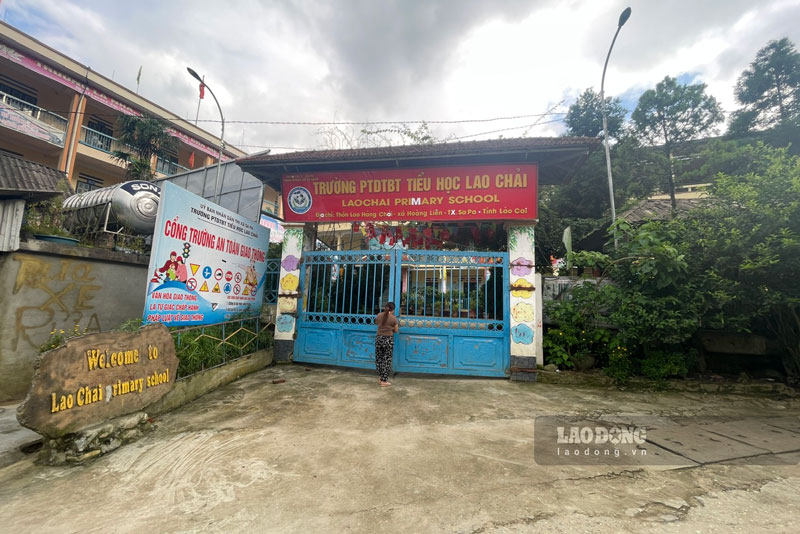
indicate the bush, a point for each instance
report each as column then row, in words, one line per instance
column 581, row 330
column 661, row 364
column 731, row 265
column 58, row 337
column 203, row 347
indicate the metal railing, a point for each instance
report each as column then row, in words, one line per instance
column 269, row 207
column 204, row 347
column 169, row 167
column 465, row 288
column 272, row 280
column 47, row 117
column 101, row 141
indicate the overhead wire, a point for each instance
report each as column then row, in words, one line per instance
column 180, row 121
column 325, row 123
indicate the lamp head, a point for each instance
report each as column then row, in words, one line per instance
column 623, row 18
column 199, row 79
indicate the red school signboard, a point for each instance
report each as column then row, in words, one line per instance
column 496, row 192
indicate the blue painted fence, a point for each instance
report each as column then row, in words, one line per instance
column 272, row 280
column 452, row 306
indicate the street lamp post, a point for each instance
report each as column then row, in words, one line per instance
column 221, row 136
column 623, row 18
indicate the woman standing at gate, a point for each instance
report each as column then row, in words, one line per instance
column 384, row 342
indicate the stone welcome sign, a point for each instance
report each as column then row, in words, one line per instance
column 98, row 377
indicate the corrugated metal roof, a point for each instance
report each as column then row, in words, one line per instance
column 20, row 178
column 659, row 209
column 492, row 146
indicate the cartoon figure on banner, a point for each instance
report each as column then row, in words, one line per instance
column 251, row 278
column 173, row 269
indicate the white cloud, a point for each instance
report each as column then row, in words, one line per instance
column 362, row 60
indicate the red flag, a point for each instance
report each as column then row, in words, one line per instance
column 202, row 90
column 191, row 159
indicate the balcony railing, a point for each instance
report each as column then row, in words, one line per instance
column 169, row 167
column 47, row 117
column 269, row 207
column 102, row 141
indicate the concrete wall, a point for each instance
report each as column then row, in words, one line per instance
column 45, row 287
column 188, row 389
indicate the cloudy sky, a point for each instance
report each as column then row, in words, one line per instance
column 402, row 60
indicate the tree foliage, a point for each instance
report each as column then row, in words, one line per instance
column 671, row 114
column 143, row 137
column 585, row 116
column 731, row 265
column 746, row 245
column 769, row 89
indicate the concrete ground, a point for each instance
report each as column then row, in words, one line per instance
column 330, row 451
column 13, row 437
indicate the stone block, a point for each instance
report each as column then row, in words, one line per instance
column 98, row 377
column 112, row 444
column 87, row 456
column 523, row 377
column 130, row 421
column 729, row 343
column 283, row 349
column 131, row 435
column 524, row 362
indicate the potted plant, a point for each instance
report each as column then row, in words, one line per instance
column 44, row 219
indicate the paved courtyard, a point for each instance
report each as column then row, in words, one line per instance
column 330, row 451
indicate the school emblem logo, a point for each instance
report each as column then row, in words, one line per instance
column 299, row 200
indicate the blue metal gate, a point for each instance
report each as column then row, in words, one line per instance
column 452, row 306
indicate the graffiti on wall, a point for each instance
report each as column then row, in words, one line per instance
column 54, row 294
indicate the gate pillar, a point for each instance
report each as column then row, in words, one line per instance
column 525, row 303
column 296, row 239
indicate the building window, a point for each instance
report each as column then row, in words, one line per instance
column 18, row 91
column 98, row 134
column 87, row 183
column 167, row 164
column 100, row 126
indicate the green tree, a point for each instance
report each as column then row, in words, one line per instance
column 745, row 249
column 653, row 304
column 730, row 265
column 143, row 137
column 671, row 114
column 769, row 89
column 585, row 116
column 701, row 161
